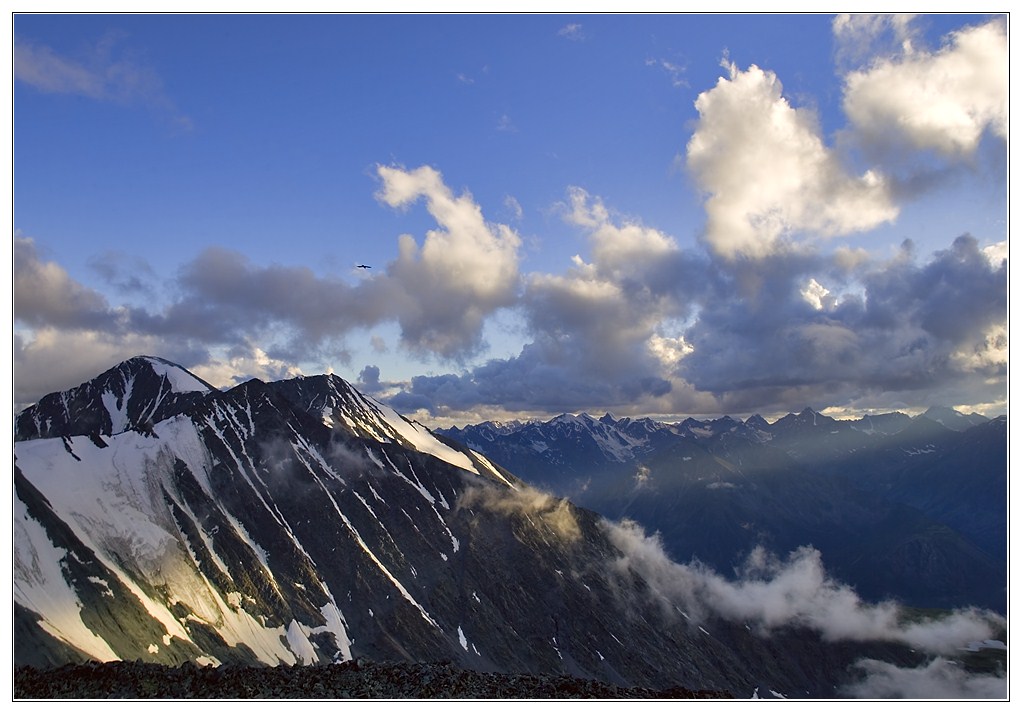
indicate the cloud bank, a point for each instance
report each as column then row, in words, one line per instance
column 939, row 679
column 771, row 593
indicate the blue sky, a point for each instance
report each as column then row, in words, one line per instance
column 647, row 214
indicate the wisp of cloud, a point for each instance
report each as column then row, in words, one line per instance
column 772, row 593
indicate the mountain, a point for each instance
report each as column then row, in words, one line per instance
column 899, row 507
column 953, row 419
column 132, row 395
column 956, row 477
column 886, row 423
column 299, row 522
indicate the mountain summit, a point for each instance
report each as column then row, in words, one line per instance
column 136, row 393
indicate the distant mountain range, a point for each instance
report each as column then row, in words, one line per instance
column 296, row 522
column 911, row 508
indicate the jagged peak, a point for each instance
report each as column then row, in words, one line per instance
column 181, row 379
column 807, row 415
column 565, row 418
column 130, row 395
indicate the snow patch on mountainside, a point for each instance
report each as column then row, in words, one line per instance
column 129, row 512
column 336, row 626
column 180, row 379
column 40, row 586
column 132, row 520
column 421, row 439
column 118, row 408
column 236, row 625
column 492, row 469
column 298, row 640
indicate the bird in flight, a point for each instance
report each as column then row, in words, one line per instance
column 363, row 265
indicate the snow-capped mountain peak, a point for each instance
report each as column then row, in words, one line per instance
column 131, row 395
column 180, row 379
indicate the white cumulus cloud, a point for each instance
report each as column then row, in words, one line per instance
column 465, row 269
column 768, row 174
column 942, row 100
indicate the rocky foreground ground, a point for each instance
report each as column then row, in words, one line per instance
column 355, row 680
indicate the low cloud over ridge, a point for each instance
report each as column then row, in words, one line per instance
column 770, row 593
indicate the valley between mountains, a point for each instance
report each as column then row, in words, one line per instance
column 160, row 519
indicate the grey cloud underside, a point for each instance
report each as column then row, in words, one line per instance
column 127, row 274
column 534, row 380
column 225, row 296
column 898, row 335
column 223, row 299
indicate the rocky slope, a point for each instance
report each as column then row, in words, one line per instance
column 350, row 680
